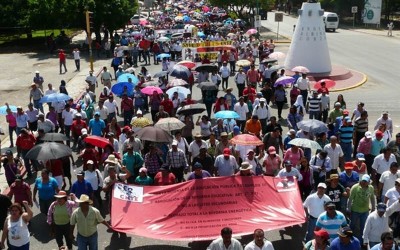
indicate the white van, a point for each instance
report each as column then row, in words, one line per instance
column 331, row 21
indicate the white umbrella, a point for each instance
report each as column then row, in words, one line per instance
column 305, row 143
column 169, row 124
column 163, row 39
column 182, row 92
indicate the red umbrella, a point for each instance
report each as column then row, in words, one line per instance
column 187, row 64
column 328, row 83
column 246, row 140
column 97, row 141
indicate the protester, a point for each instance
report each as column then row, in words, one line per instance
column 226, row 241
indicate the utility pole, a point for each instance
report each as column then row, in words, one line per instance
column 89, row 28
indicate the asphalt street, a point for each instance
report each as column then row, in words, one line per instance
column 373, row 54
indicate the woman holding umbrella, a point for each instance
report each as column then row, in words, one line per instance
column 220, row 105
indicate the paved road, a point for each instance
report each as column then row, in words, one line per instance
column 369, row 58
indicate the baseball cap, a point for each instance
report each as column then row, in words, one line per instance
column 227, row 152
column 360, row 157
column 366, row 178
column 143, row 169
column 89, row 162
column 349, row 165
column 174, row 143
column 378, row 133
column 80, row 172
column 287, row 163
column 368, row 134
column 84, row 131
column 97, row 113
column 139, row 112
column 263, row 99
column 322, row 185
column 272, row 150
column 333, row 177
column 9, row 152
column 381, row 207
column 346, row 112
column 126, row 129
column 337, row 104
column 197, row 165
column 322, row 233
column 330, row 204
column 345, row 231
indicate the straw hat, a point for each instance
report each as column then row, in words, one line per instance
column 84, row 198
column 111, row 159
column 61, row 194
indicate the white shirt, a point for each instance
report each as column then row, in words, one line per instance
column 315, row 205
column 334, row 154
column 293, row 173
column 262, row 112
column 95, row 178
column 111, row 106
column 388, row 122
column 225, row 167
column 376, row 225
column 303, row 83
column 325, row 100
column 83, row 115
column 388, row 179
column 240, row 78
column 252, row 246
column 225, row 71
column 103, row 112
column 381, row 165
column 242, row 110
column 393, row 195
column 218, row 244
column 76, row 54
column 46, row 125
column 68, row 116
column 194, row 148
column 50, row 91
column 92, row 79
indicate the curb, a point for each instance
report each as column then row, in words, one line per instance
column 364, row 80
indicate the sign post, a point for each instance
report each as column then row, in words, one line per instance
column 354, row 10
column 257, row 22
column 278, row 19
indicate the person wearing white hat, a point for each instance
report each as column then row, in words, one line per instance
column 86, row 225
column 314, row 207
column 38, row 80
column 177, row 161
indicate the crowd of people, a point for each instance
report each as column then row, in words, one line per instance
column 350, row 186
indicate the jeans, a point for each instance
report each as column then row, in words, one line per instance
column 304, row 93
column 358, row 219
column 62, row 63
column 18, row 130
column 324, row 115
column 27, row 162
column 241, row 124
column 63, row 231
column 85, row 242
column 315, row 115
column 279, row 105
column 232, row 65
column 240, row 88
column 38, row 105
column 78, row 64
column 310, row 228
column 347, row 150
column 67, row 132
column 127, row 117
column 225, row 80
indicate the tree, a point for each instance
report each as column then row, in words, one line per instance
column 243, row 8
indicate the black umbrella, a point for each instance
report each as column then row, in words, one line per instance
column 206, row 68
column 48, row 151
column 160, row 74
column 54, row 137
column 192, row 109
column 180, row 71
column 153, row 134
column 207, row 86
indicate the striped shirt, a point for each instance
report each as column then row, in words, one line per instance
column 331, row 225
column 361, row 125
column 314, row 103
column 346, row 133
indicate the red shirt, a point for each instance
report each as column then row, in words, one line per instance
column 252, row 75
column 168, row 106
column 251, row 93
column 321, row 89
column 76, row 127
column 20, row 192
column 189, row 101
column 25, row 142
column 56, row 167
column 61, row 56
column 127, row 104
column 90, row 154
column 205, row 61
column 163, row 180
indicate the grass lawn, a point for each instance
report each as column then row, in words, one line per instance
column 36, row 34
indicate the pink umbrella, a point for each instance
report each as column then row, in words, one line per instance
column 251, row 32
column 205, row 9
column 187, row 64
column 143, row 21
column 277, row 55
column 300, row 69
column 150, row 89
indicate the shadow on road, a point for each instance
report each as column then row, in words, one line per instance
column 41, row 228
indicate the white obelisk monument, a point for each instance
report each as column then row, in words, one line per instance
column 309, row 46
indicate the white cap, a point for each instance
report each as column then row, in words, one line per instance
column 174, row 143
column 37, row 72
column 84, row 131
column 368, row 134
column 321, row 184
column 139, row 112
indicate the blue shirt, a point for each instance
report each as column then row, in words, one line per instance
column 46, row 190
column 132, row 162
column 349, row 181
column 377, row 146
column 331, row 225
column 353, row 245
column 97, row 126
column 346, row 134
column 79, row 188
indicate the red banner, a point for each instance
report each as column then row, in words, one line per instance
column 199, row 209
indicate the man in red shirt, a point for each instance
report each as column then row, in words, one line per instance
column 250, row 92
column 252, row 76
column 164, row 177
column 76, row 128
column 20, row 190
column 168, row 105
column 62, row 58
column 25, row 141
column 189, row 100
column 127, row 109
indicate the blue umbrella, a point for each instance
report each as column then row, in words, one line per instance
column 186, row 19
column 180, row 71
column 118, row 88
column 201, row 34
column 163, row 55
column 125, row 78
column 226, row 114
column 56, row 97
column 4, row 108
